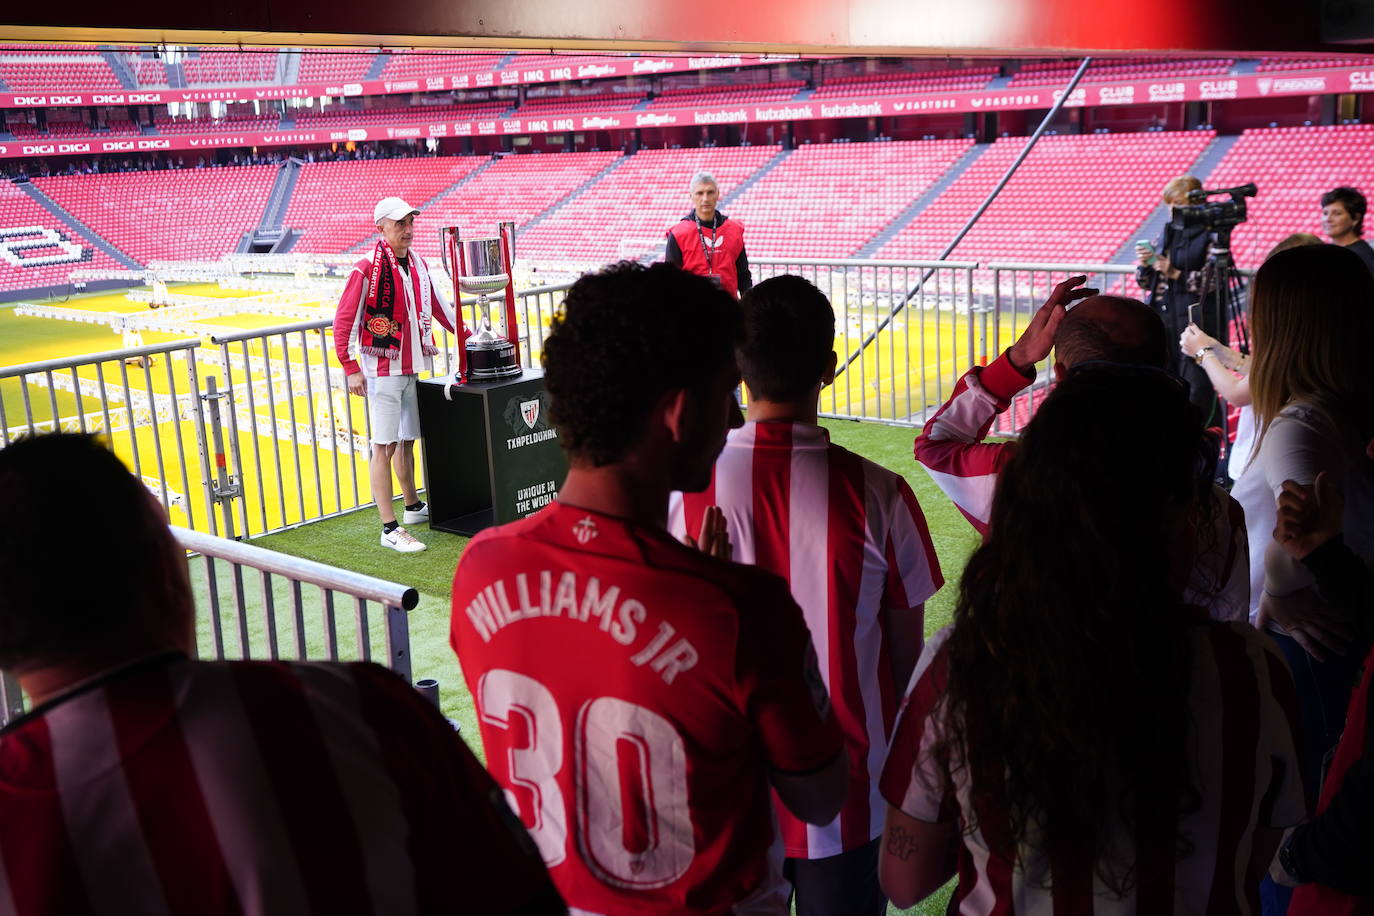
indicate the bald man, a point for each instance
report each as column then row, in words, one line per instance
column 1098, row 328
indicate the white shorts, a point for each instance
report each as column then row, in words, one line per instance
column 393, row 409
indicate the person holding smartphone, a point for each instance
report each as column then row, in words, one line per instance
column 1169, row 271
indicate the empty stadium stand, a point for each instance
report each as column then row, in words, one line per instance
column 251, row 122
column 1272, row 64
column 634, row 205
column 1293, row 167
column 193, row 213
column 437, row 63
column 547, row 62
column 827, row 200
column 327, row 67
column 1050, row 72
column 729, row 95
column 893, row 82
column 1075, row 199
column 398, row 114
column 36, row 248
column 601, row 101
column 148, row 71
column 55, row 68
column 230, row 67
column 332, row 203
column 517, row 188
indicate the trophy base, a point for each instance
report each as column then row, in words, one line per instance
column 492, row 358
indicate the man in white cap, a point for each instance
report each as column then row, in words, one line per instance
column 383, row 337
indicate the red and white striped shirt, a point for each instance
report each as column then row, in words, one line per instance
column 851, row 541
column 423, row 296
column 1243, row 715
column 633, row 696
column 174, row 786
column 965, row 467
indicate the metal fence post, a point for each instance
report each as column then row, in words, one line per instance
column 225, row 487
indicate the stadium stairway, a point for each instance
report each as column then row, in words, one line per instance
column 571, row 196
column 1247, row 66
column 289, row 67
column 176, row 77
column 875, row 244
column 1150, row 228
column 744, row 185
column 120, row 66
column 269, row 237
column 374, row 71
column 80, row 228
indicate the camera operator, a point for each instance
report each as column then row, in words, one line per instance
column 1170, row 274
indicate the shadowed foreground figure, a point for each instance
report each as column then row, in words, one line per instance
column 1082, row 739
column 144, row 781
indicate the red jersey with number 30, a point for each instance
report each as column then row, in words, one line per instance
column 633, row 695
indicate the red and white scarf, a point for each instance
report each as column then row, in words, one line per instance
column 385, row 311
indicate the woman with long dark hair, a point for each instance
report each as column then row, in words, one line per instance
column 1080, row 740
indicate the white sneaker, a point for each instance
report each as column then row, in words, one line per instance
column 419, row 515
column 402, row 540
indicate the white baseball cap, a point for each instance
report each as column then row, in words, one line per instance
column 391, row 208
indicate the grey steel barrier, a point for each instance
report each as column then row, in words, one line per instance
column 295, row 446
column 900, row 358
column 277, row 442
column 282, row 578
column 124, row 407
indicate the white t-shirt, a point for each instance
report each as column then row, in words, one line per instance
column 1301, row 442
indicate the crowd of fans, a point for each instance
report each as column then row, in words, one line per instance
column 700, row 675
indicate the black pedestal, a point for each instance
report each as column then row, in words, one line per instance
column 491, row 456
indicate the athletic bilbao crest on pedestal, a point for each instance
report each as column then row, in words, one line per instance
column 526, row 415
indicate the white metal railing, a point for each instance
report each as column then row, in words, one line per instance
column 269, row 619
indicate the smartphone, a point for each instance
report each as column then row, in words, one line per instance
column 1192, row 314
column 1149, row 247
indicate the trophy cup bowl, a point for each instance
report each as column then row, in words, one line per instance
column 480, row 271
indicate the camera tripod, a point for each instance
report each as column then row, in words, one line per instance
column 1220, row 280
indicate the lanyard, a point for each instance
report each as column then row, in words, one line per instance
column 706, row 249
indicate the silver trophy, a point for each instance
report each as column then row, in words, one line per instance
column 481, row 267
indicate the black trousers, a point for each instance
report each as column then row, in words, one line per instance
column 842, row 885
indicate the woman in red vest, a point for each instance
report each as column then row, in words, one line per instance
column 708, row 243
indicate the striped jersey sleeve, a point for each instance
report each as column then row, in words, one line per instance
column 1242, row 719
column 950, row 445
column 190, row 787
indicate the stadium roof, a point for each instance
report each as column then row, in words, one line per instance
column 992, row 27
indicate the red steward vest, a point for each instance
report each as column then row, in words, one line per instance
column 727, row 243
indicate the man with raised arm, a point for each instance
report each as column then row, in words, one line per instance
column 1111, row 329
column 383, row 337
column 145, row 781
column 638, row 698
column 851, row 541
